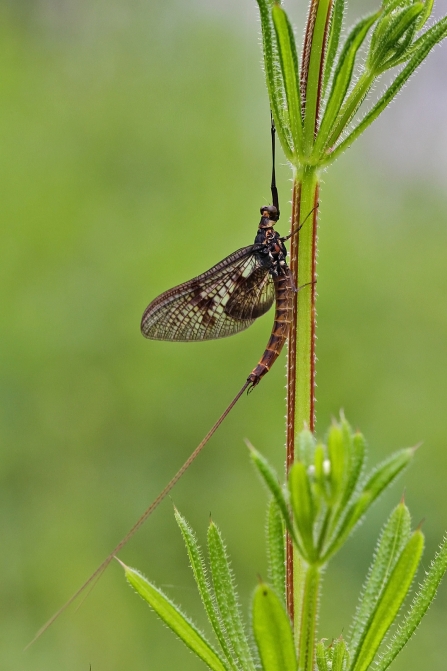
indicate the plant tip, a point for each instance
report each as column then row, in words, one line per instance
column 249, row 445
column 120, row 562
column 417, row 446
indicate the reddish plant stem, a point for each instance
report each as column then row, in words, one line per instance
column 291, row 386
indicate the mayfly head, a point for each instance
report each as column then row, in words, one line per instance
column 269, row 216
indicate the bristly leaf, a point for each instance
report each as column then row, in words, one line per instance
column 303, row 507
column 275, row 84
column 204, row 587
column 342, row 78
column 419, row 51
column 290, row 74
column 276, row 550
column 419, row 607
column 227, row 600
column 305, row 447
column 428, row 8
column 391, row 599
column 338, row 11
column 339, row 655
column 380, row 478
column 322, row 657
column 272, row 631
column 271, row 480
column 392, row 37
column 175, row 620
column 390, row 545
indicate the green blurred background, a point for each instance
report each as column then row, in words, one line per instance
column 134, row 154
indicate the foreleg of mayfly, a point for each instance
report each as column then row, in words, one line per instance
column 155, row 503
column 298, row 228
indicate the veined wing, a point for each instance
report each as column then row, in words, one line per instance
column 222, row 301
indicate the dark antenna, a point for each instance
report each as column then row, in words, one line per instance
column 275, row 197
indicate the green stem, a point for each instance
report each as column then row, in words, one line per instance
column 306, row 634
column 301, row 343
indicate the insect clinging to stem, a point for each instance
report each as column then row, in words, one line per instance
column 224, row 300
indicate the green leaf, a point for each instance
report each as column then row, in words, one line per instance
column 290, row 74
column 205, row 591
column 227, row 600
column 342, row 79
column 390, row 601
column 350, row 519
column 380, row 478
column 355, row 448
column 271, row 480
column 339, row 655
column 272, row 631
column 175, row 620
column 420, row 50
column 337, row 456
column 305, row 447
column 275, row 85
column 302, row 505
column 390, row 545
column 425, row 15
column 276, row 550
column 338, row 11
column 322, row 660
column 321, row 477
column 418, row 608
column 385, row 473
column 390, row 40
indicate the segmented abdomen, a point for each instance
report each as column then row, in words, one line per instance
column 283, row 315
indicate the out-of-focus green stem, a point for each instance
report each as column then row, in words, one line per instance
column 306, row 633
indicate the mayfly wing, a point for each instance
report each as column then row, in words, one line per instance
column 224, row 300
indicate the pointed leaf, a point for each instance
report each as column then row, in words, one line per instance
column 271, row 480
column 205, row 591
column 390, row 601
column 390, row 545
column 380, row 478
column 226, row 596
column 305, row 447
column 272, row 631
column 322, row 660
column 420, row 51
column 388, row 41
column 339, row 655
column 419, row 607
column 275, row 84
column 425, row 14
column 386, row 472
column 302, row 505
column 276, row 550
column 289, row 66
column 342, row 78
column 175, row 620
column 338, row 11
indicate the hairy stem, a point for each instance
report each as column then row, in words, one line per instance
column 301, row 343
column 306, row 633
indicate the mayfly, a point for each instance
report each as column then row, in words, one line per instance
column 224, row 300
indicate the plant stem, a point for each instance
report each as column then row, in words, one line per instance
column 301, row 347
column 308, row 620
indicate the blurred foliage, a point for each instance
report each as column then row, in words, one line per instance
column 134, row 154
